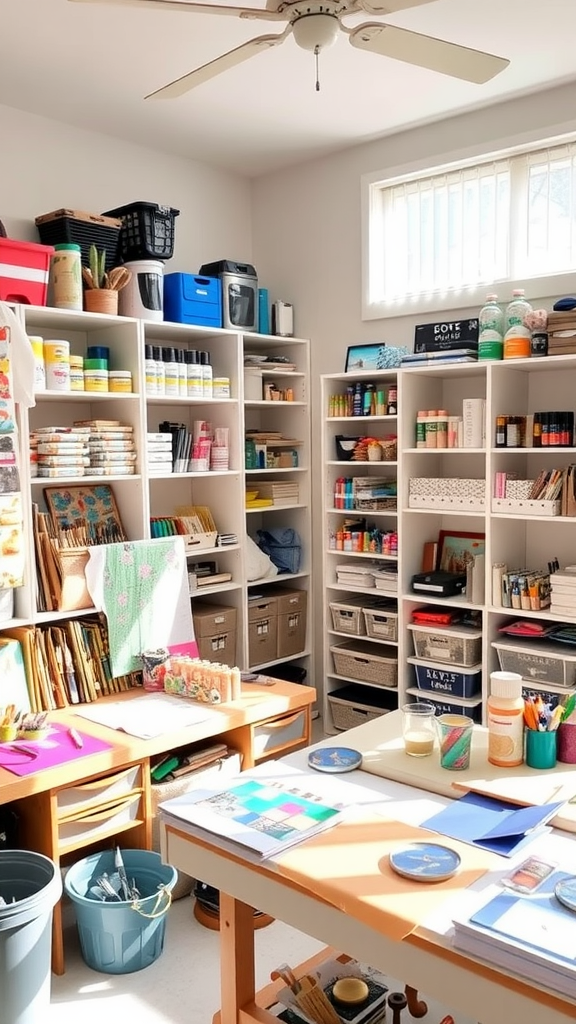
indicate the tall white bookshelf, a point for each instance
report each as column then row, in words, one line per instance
column 512, row 388
column 145, row 495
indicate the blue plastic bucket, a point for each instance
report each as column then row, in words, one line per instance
column 122, row 936
column 31, row 886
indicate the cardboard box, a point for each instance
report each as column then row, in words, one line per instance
column 262, row 630
column 291, row 607
column 215, row 631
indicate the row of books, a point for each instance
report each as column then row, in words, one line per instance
column 68, row 663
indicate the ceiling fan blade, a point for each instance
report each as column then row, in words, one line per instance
column 390, row 6
column 190, row 7
column 427, row 52
column 220, row 64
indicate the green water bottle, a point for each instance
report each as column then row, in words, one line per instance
column 491, row 330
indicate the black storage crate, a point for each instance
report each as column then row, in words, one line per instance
column 85, row 229
column 147, row 231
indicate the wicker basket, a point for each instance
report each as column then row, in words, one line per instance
column 389, row 448
column 347, row 617
column 360, row 661
column 381, row 622
column 355, row 705
column 376, row 504
column 451, row 647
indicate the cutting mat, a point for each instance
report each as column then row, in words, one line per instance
column 380, row 743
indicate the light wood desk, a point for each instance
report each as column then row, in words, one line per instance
column 90, row 801
column 424, row 960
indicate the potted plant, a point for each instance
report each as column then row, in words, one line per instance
column 101, row 287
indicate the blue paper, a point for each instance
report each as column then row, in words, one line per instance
column 547, row 911
column 490, row 823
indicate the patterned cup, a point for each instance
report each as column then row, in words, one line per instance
column 455, row 734
column 566, row 751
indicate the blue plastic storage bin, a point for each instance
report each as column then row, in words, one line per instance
column 122, row 936
column 446, row 707
column 447, row 680
column 193, row 300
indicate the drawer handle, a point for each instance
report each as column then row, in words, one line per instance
column 279, row 724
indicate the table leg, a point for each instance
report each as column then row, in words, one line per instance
column 238, row 983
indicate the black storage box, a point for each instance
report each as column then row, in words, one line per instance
column 84, row 229
column 147, row 231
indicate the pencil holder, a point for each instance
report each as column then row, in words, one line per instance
column 566, row 749
column 540, row 749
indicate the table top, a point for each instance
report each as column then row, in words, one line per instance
column 258, row 702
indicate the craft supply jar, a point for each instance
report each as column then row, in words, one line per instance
column 37, row 344
column 96, row 380
column 505, row 719
column 57, row 365
column 566, row 746
column 76, row 373
column 541, row 748
column 66, row 276
column 120, row 381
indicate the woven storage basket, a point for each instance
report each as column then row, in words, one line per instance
column 354, row 705
column 381, row 622
column 450, row 647
column 347, row 617
column 361, row 661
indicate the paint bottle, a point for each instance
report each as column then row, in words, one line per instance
column 39, row 371
column 57, row 365
column 505, row 720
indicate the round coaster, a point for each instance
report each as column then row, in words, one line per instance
column 425, row 862
column 565, row 892
column 334, row 759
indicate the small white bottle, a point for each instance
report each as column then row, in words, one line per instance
column 194, row 380
column 207, row 375
column 171, row 386
column 160, row 370
column 150, row 370
column 182, row 379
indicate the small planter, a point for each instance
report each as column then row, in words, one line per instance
column 101, row 300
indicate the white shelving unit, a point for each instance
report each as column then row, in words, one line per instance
column 147, row 495
column 518, row 387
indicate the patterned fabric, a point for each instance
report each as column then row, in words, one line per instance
column 142, row 587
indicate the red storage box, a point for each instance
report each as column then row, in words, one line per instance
column 24, row 270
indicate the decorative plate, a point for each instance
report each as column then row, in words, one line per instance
column 425, row 862
column 565, row 892
column 334, row 759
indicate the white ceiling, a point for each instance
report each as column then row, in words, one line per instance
column 91, row 65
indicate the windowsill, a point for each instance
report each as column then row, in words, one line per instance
column 537, row 288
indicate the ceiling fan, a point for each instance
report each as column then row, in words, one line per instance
column 315, row 25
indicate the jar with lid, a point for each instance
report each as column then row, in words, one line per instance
column 66, row 276
column 442, row 428
column 392, row 403
column 505, row 720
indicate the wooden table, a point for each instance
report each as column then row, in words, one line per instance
column 88, row 802
column 423, row 959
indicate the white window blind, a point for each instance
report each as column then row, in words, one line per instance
column 446, row 234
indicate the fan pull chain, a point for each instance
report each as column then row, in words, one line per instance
column 316, row 54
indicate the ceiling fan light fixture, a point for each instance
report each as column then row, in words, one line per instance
column 315, row 31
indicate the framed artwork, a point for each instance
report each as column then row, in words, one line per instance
column 92, row 505
column 456, row 548
column 365, row 357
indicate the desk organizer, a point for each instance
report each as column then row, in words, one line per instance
column 360, row 661
column 545, row 664
column 525, row 507
column 453, row 682
column 449, row 493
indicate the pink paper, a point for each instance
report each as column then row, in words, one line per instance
column 56, row 748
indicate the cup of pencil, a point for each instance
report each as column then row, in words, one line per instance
column 566, row 750
column 8, row 723
column 541, row 732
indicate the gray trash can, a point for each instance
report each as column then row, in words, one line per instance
column 30, row 885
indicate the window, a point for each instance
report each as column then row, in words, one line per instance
column 439, row 241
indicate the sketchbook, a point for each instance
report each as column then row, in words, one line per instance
column 266, row 811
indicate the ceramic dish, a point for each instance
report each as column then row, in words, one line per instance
column 565, row 892
column 334, row 759
column 425, row 862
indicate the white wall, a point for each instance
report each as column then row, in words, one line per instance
column 307, row 239
column 47, row 165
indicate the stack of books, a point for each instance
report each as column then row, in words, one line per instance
column 60, row 451
column 562, row 333
column 563, row 592
column 350, row 574
column 111, row 447
column 282, row 492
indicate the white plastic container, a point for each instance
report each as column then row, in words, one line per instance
column 505, row 719
column 57, row 365
column 37, row 344
column 142, row 296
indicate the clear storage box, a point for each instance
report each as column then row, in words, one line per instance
column 363, row 662
column 546, row 663
column 450, row 646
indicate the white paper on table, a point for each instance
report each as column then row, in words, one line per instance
column 150, row 715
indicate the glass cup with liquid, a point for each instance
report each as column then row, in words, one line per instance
column 418, row 729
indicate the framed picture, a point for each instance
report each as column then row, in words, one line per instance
column 365, row 357
column 92, row 505
column 456, row 548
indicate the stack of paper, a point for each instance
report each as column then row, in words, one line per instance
column 533, row 936
column 282, row 492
